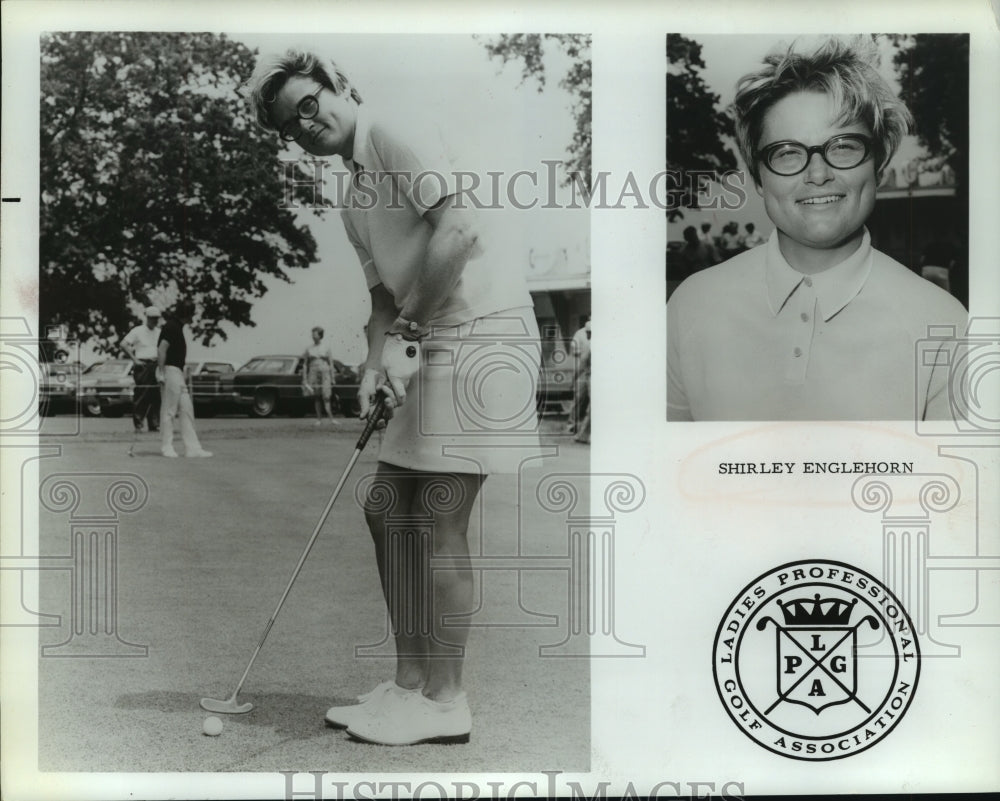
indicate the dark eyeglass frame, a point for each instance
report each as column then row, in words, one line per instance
column 290, row 134
column 764, row 154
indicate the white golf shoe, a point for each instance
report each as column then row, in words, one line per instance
column 340, row 717
column 414, row 718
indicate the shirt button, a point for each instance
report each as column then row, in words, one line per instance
column 805, row 317
column 808, row 282
column 797, row 352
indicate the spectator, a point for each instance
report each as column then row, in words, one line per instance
column 582, row 398
column 317, row 374
column 752, row 238
column 580, row 353
column 729, row 242
column 696, row 254
column 140, row 346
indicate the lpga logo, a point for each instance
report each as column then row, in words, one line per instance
column 820, row 687
column 817, row 653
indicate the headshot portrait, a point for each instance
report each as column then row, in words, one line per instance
column 832, row 230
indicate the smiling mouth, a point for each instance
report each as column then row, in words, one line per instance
column 821, row 201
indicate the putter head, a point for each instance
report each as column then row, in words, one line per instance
column 227, row 707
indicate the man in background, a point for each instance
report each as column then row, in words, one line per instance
column 697, row 254
column 140, row 345
column 752, row 238
column 583, row 394
column 580, row 352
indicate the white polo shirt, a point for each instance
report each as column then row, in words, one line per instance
column 401, row 170
column 753, row 339
column 143, row 342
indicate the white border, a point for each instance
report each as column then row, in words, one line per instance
column 655, row 719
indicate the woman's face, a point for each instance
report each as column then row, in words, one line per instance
column 821, row 208
column 317, row 336
column 331, row 131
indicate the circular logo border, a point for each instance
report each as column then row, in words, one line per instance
column 724, row 695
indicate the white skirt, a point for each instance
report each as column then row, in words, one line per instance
column 471, row 407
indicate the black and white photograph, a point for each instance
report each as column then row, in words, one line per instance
column 310, row 491
column 300, row 278
column 820, row 224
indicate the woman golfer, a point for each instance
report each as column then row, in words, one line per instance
column 453, row 347
column 817, row 324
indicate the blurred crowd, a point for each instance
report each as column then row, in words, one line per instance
column 702, row 248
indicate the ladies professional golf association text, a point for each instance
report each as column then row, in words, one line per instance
column 315, row 785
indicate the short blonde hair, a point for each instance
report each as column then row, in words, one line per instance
column 844, row 69
column 272, row 72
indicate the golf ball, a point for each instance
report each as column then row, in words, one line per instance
column 212, row 726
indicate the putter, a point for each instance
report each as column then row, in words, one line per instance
column 135, row 437
column 229, row 706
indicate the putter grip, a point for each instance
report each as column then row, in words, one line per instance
column 373, row 419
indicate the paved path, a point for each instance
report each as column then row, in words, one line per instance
column 200, row 568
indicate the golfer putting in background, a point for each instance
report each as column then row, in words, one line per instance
column 437, row 293
column 176, row 401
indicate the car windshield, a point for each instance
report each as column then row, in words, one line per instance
column 268, row 364
column 64, row 369
column 108, row 367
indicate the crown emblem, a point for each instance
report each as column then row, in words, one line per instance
column 817, row 611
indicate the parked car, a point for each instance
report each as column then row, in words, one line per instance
column 57, row 390
column 555, row 382
column 201, row 368
column 106, row 388
column 269, row 384
column 204, row 368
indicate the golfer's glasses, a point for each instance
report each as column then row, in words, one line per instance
column 307, row 108
column 842, row 152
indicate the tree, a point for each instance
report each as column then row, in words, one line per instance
column 933, row 72
column 695, row 126
column 155, row 184
column 530, row 50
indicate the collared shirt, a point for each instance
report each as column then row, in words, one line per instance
column 173, row 334
column 753, row 339
column 581, row 349
column 400, row 171
column 143, row 342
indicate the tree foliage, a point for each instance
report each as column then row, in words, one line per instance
column 695, row 126
column 529, row 49
column 933, row 72
column 155, row 184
